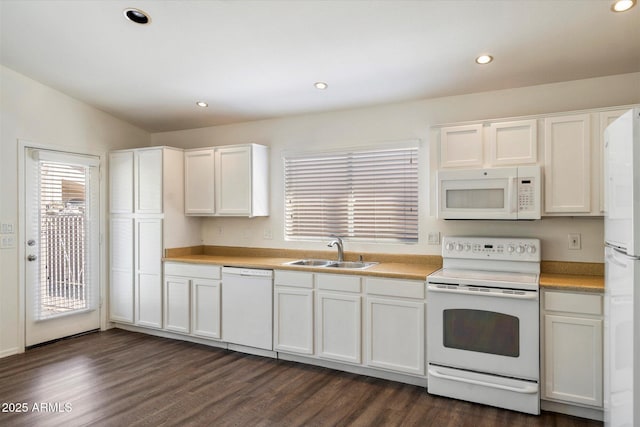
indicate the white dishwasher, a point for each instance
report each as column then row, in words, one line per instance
column 247, row 307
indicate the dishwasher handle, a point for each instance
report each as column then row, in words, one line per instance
column 247, row 272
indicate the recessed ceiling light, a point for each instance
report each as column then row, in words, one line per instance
column 202, row 104
column 136, row 15
column 321, row 85
column 622, row 5
column 484, row 59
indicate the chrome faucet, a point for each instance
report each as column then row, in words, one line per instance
column 337, row 241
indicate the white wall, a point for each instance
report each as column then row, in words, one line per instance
column 410, row 120
column 36, row 113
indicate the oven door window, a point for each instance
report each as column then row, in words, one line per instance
column 481, row 331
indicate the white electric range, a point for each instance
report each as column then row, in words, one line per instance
column 483, row 327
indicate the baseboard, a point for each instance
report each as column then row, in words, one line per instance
column 355, row 369
column 574, row 410
column 165, row 334
column 9, row 352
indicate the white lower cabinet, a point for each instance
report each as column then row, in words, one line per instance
column 192, row 299
column 205, row 308
column 339, row 318
column 148, row 268
column 177, row 304
column 293, row 312
column 573, row 349
column 395, row 325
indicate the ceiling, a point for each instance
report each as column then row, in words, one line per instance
column 252, row 60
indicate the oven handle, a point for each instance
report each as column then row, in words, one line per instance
column 527, row 295
column 523, row 390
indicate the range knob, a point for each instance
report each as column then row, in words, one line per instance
column 510, row 249
column 449, row 246
column 467, row 247
column 531, row 249
column 520, row 249
column 459, row 247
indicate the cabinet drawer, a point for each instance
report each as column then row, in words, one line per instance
column 395, row 288
column 296, row 279
column 338, row 282
column 573, row 303
column 192, row 270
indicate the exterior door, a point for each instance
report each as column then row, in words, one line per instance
column 62, row 226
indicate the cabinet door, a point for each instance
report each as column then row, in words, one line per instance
column 567, row 145
column 233, row 180
column 206, row 308
column 573, row 359
column 514, row 143
column 148, row 272
column 176, row 304
column 148, row 181
column 395, row 335
column 121, row 182
column 461, row 146
column 199, row 182
column 293, row 322
column 339, row 327
column 121, row 288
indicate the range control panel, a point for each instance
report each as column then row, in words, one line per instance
column 495, row 248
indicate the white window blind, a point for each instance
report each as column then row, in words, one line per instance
column 369, row 195
column 65, row 210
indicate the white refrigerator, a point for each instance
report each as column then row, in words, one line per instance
column 622, row 271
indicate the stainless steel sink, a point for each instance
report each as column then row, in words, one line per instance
column 311, row 262
column 329, row 263
column 352, row 264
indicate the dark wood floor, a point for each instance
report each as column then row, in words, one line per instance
column 119, row 378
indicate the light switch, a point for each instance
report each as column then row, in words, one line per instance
column 7, row 242
column 434, row 238
column 7, row 228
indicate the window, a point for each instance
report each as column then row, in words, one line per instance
column 368, row 195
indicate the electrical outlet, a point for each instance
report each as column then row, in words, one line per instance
column 434, row 238
column 575, row 241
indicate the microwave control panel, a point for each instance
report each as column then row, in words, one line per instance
column 526, row 195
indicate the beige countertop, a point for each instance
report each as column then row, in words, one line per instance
column 572, row 282
column 566, row 276
column 396, row 270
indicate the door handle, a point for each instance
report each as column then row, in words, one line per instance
column 529, row 389
column 32, row 257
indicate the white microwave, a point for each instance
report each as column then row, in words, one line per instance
column 496, row 193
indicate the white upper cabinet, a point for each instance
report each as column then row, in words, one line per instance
column 461, row 146
column 199, row 191
column 513, row 143
column 227, row 181
column 233, row 179
column 121, row 182
column 135, row 181
column 567, row 165
column 148, row 181
column 498, row 144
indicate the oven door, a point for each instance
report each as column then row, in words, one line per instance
column 478, row 194
column 484, row 329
